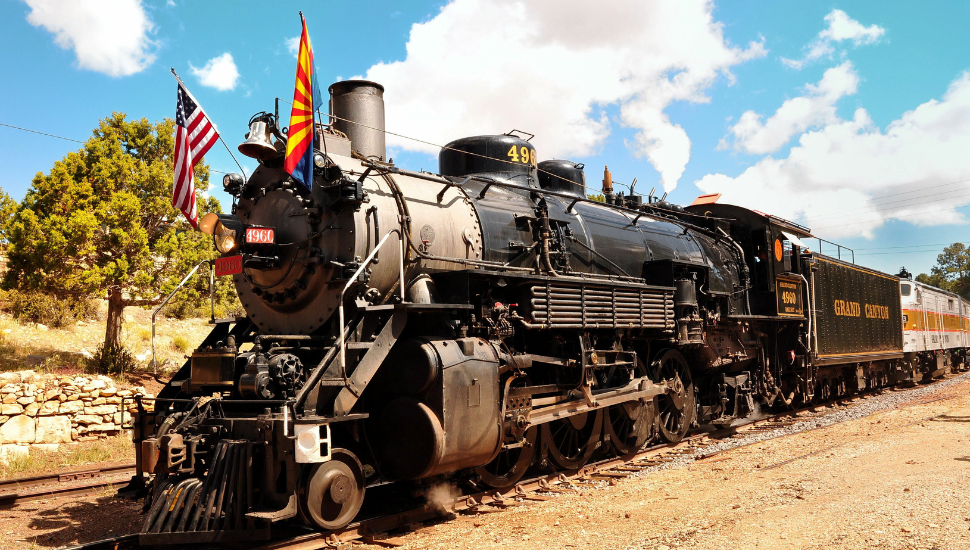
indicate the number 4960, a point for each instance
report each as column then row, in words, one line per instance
column 522, row 154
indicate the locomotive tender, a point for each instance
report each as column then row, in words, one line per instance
column 472, row 324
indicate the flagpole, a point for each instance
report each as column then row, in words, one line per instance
column 175, row 74
column 317, row 111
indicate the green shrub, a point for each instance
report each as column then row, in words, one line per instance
column 112, row 359
column 54, row 311
column 181, row 343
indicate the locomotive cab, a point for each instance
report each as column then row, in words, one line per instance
column 773, row 253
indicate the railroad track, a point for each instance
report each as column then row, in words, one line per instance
column 73, row 482
column 122, row 542
column 376, row 530
column 543, row 488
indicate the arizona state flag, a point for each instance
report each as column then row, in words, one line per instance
column 306, row 100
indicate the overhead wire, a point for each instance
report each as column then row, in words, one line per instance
column 425, row 142
column 900, row 207
column 41, row 133
column 861, row 252
column 803, row 217
column 893, row 217
column 929, row 248
column 900, row 247
column 70, row 139
column 934, row 251
column 448, row 148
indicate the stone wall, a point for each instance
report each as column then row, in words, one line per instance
column 44, row 410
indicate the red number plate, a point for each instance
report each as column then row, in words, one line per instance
column 260, row 235
column 230, row 265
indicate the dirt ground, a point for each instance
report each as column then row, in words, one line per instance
column 67, row 520
column 895, row 479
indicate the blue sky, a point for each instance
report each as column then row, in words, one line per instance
column 849, row 117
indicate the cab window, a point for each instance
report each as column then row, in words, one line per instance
column 905, row 289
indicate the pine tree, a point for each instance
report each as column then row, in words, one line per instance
column 101, row 222
column 952, row 270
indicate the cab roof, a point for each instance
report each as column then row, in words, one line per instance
column 750, row 217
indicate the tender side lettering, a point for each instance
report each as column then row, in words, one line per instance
column 854, row 309
column 847, row 309
column 877, row 312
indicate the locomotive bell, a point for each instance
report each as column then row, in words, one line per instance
column 258, row 144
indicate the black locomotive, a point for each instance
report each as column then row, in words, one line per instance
column 470, row 325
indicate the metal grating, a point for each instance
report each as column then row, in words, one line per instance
column 564, row 305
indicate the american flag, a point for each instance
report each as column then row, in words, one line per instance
column 194, row 135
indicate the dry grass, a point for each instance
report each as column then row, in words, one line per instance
column 181, row 343
column 62, row 351
column 112, row 449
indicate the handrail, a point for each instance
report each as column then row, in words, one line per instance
column 353, row 279
column 212, row 304
column 838, row 248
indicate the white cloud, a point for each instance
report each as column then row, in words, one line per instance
column 840, row 28
column 551, row 66
column 293, row 45
column 850, row 177
column 815, row 108
column 107, row 36
column 219, row 73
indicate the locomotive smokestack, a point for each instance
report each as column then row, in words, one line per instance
column 359, row 108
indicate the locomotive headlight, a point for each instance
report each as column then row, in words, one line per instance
column 225, row 238
column 232, row 183
column 226, row 230
column 319, row 160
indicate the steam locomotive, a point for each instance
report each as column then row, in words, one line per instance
column 477, row 323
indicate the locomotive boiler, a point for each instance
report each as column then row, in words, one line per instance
column 409, row 327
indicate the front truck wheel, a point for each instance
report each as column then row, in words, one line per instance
column 331, row 493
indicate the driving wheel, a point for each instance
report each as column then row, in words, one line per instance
column 629, row 424
column 511, row 463
column 676, row 407
column 571, row 441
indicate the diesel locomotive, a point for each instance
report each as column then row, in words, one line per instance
column 470, row 325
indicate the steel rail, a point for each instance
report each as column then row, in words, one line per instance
column 375, row 530
column 17, row 490
column 114, row 543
